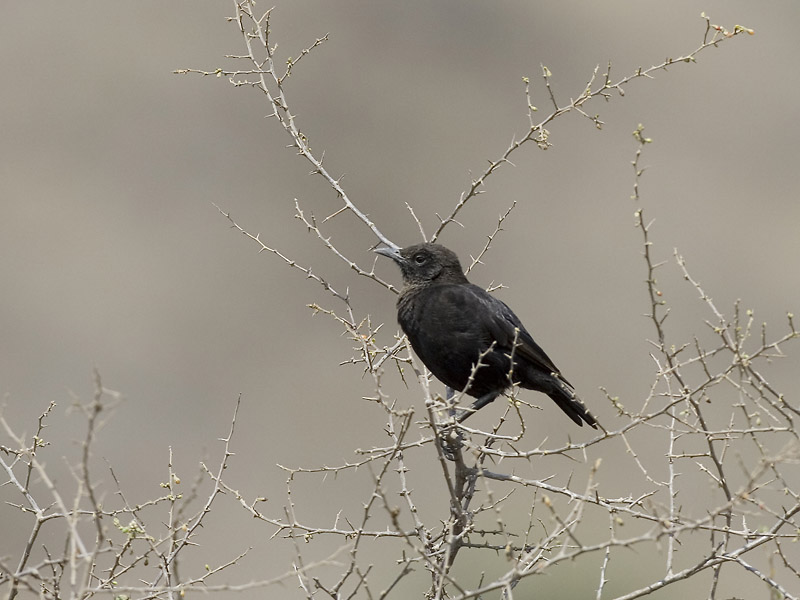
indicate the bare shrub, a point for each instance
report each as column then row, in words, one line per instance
column 725, row 439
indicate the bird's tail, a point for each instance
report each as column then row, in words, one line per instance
column 563, row 395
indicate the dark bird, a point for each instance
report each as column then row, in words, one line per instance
column 454, row 325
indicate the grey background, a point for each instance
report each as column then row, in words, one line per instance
column 111, row 253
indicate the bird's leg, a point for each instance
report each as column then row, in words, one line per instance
column 450, row 394
column 451, row 439
column 477, row 405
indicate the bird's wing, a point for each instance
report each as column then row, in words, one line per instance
column 505, row 326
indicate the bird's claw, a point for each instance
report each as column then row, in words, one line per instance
column 451, row 441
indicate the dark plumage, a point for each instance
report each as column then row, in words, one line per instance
column 451, row 322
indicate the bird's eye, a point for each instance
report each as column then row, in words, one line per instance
column 420, row 258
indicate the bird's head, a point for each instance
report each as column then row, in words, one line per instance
column 426, row 263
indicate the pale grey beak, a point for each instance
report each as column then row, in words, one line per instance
column 393, row 253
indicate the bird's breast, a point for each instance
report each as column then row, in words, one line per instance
column 447, row 336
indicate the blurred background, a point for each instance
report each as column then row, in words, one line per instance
column 112, row 254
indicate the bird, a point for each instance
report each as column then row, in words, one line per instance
column 468, row 338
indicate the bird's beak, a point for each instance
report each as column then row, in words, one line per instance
column 393, row 253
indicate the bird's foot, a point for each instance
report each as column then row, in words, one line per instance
column 451, row 441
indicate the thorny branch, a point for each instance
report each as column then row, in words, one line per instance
column 720, row 425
